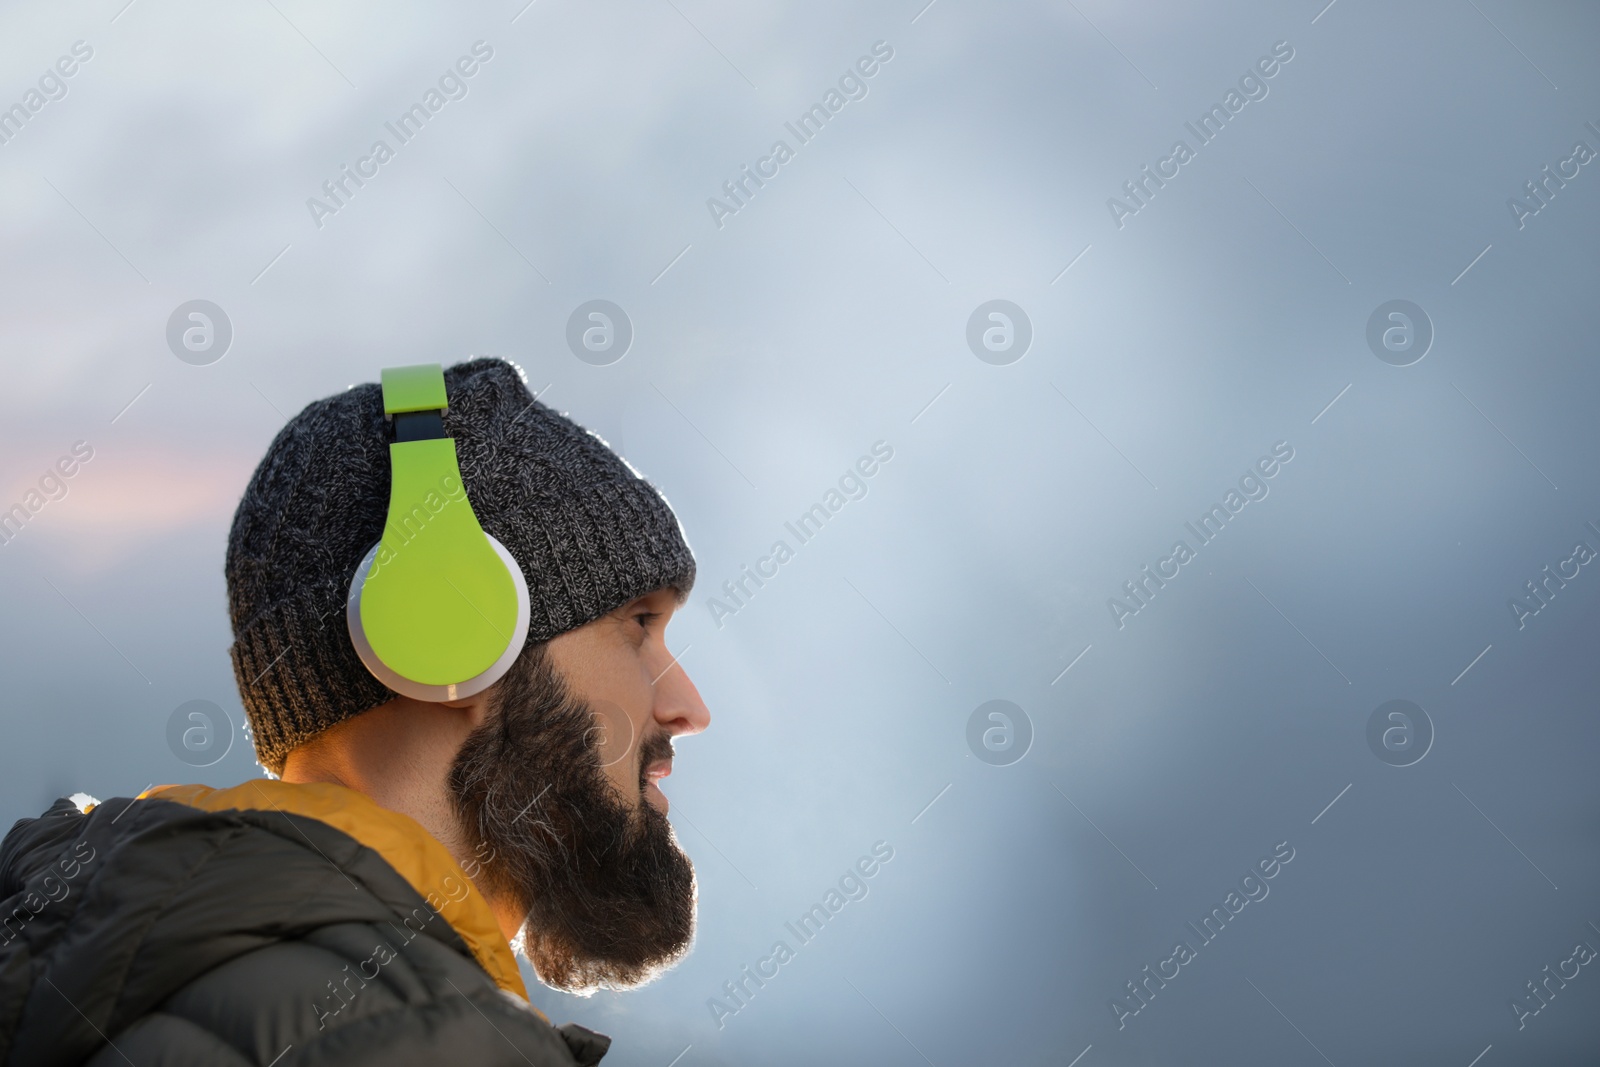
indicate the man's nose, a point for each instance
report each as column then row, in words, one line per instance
column 678, row 706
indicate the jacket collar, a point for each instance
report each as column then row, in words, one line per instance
column 414, row 853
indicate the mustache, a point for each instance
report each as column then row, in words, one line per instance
column 653, row 749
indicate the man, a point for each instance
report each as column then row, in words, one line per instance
column 362, row 906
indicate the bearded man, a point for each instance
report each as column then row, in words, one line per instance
column 364, row 903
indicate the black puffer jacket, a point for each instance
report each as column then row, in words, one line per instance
column 155, row 933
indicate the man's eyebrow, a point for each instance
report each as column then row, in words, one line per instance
column 642, row 603
column 679, row 599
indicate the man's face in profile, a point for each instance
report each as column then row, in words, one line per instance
column 558, row 793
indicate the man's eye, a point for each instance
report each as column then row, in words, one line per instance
column 647, row 617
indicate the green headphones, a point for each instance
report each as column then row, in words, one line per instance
column 438, row 609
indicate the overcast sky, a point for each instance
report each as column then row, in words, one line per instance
column 1161, row 345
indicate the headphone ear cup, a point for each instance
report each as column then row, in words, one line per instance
column 438, row 609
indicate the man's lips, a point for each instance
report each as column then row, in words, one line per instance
column 653, row 775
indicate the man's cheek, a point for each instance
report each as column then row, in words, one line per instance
column 613, row 734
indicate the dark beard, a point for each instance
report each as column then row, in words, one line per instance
column 608, row 893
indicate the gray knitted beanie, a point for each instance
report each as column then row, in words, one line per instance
column 589, row 533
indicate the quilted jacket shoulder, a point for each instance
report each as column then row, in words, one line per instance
column 153, row 932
